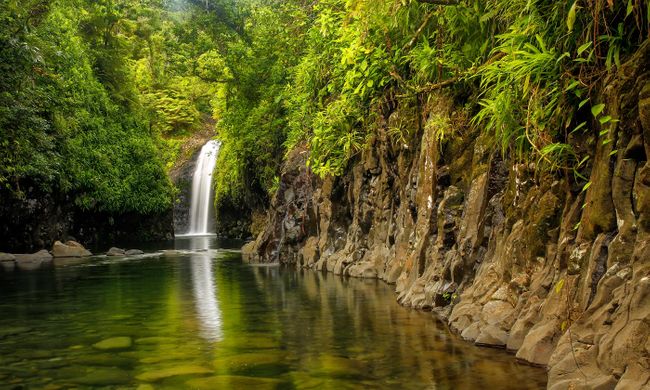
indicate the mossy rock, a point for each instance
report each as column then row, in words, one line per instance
column 114, row 343
column 259, row 364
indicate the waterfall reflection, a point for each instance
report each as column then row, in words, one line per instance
column 205, row 297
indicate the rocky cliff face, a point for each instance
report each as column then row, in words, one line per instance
column 510, row 257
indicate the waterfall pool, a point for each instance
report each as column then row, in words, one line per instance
column 199, row 318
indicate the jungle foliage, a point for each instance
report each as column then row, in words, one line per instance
column 530, row 71
column 97, row 96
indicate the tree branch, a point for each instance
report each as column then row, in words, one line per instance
column 419, row 31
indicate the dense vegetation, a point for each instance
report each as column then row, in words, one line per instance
column 97, row 96
column 528, row 72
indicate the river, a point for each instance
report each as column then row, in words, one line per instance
column 202, row 319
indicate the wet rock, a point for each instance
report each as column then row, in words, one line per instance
column 180, row 370
column 7, row 257
column 493, row 336
column 114, row 343
column 41, row 255
column 134, row 252
column 116, row 252
column 69, row 249
column 268, row 363
column 30, row 262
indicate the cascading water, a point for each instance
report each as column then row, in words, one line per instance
column 202, row 189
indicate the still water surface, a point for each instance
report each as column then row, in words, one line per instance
column 201, row 319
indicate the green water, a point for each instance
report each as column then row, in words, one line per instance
column 205, row 320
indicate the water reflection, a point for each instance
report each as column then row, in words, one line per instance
column 205, row 297
column 204, row 320
column 195, row 242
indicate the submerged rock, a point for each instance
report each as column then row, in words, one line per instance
column 156, row 375
column 114, row 343
column 69, row 249
column 269, row 363
column 234, row 382
column 104, row 377
column 116, row 252
column 134, row 252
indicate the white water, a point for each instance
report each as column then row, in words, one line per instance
column 202, row 189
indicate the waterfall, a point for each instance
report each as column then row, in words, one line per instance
column 202, row 189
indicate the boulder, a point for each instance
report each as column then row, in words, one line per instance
column 39, row 256
column 7, row 257
column 116, row 252
column 69, row 249
column 134, row 252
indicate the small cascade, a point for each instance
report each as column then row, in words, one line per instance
column 202, row 189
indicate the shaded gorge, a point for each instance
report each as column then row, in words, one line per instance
column 197, row 318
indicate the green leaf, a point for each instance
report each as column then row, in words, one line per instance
column 584, row 47
column 580, row 126
column 571, row 18
column 605, row 119
column 586, row 186
column 630, row 8
column 597, row 109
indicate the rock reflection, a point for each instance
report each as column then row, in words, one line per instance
column 356, row 330
column 205, row 297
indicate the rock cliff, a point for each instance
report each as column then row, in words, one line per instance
column 512, row 256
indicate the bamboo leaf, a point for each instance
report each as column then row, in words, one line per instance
column 571, row 18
